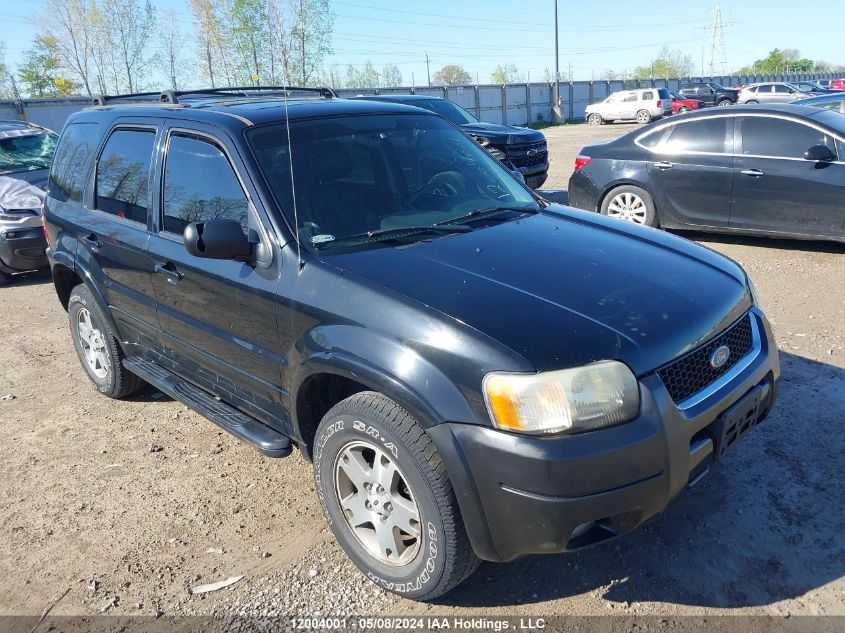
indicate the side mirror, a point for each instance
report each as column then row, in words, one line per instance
column 216, row 239
column 518, row 176
column 820, row 154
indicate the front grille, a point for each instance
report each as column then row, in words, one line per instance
column 527, row 161
column 690, row 374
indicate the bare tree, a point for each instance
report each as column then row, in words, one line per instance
column 391, row 76
column 171, row 46
column 311, row 32
column 451, row 74
column 70, row 23
column 506, row 74
column 279, row 42
column 130, row 24
column 212, row 43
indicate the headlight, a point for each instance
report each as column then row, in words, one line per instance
column 752, row 291
column 492, row 149
column 564, row 401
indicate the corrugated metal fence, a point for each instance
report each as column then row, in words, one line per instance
column 512, row 104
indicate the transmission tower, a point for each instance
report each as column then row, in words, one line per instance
column 718, row 55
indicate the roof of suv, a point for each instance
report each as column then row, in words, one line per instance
column 238, row 112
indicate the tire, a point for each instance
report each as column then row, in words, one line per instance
column 683, row 109
column 595, row 119
column 750, row 101
column 634, row 204
column 725, row 102
column 369, row 428
column 643, row 116
column 97, row 347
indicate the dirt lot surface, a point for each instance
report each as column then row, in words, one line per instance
column 91, row 505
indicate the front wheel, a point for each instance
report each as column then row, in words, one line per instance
column 595, row 119
column 632, row 204
column 643, row 116
column 388, row 500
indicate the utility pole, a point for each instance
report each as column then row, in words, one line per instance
column 428, row 70
column 557, row 70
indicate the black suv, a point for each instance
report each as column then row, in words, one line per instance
column 361, row 280
column 519, row 148
column 711, row 93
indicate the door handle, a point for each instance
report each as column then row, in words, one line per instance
column 663, row 165
column 169, row 271
column 92, row 241
column 754, row 173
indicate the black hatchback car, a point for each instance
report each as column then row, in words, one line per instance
column 775, row 170
column 450, row 357
column 519, row 148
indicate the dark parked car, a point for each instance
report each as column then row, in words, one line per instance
column 773, row 170
column 710, row 93
column 26, row 150
column 832, row 100
column 520, row 148
column 362, row 280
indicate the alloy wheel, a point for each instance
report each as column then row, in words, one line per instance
column 628, row 206
column 378, row 503
column 93, row 344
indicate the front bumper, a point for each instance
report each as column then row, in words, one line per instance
column 524, row 495
column 22, row 249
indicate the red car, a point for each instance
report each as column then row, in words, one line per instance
column 839, row 84
column 681, row 104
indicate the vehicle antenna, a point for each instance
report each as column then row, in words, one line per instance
column 293, row 190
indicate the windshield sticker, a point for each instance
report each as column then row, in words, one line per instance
column 320, row 239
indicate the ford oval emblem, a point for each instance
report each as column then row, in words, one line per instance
column 720, row 356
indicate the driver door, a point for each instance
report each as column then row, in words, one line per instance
column 775, row 189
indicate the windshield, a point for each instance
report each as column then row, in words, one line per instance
column 26, row 151
column 717, row 86
column 448, row 110
column 353, row 176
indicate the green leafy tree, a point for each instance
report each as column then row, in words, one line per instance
column 506, row 74
column 668, row 63
column 247, row 21
column 451, row 75
column 40, row 72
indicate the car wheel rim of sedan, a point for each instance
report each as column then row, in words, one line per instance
column 377, row 503
column 628, row 206
column 93, row 344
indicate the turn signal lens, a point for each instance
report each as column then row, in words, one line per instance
column 564, row 401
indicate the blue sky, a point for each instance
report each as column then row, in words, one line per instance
column 594, row 34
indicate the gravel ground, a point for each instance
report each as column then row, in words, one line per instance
column 89, row 508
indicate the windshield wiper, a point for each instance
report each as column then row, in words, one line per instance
column 483, row 213
column 396, row 233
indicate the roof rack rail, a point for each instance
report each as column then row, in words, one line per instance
column 172, row 96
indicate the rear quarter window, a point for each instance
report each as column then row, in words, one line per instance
column 71, row 161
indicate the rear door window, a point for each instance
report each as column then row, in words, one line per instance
column 200, row 184
column 779, row 88
column 648, row 96
column 631, row 97
column 71, row 161
column 779, row 138
column 701, row 135
column 122, row 185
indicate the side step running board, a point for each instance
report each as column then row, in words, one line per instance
column 268, row 441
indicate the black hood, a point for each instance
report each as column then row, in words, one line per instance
column 566, row 288
column 503, row 134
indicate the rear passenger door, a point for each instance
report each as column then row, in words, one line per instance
column 691, row 172
column 112, row 229
column 217, row 317
column 630, row 104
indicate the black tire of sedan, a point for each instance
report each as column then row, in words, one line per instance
column 388, row 500
column 97, row 347
column 632, row 204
